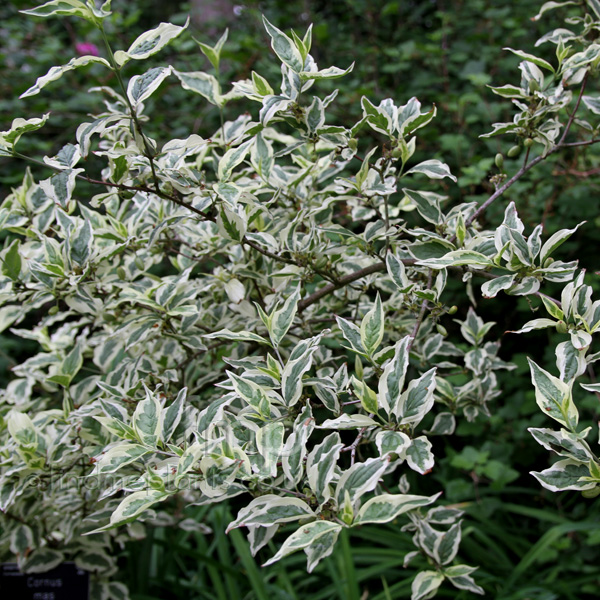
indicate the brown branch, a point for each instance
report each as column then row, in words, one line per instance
column 119, row 186
column 572, row 117
column 265, row 252
column 288, row 261
column 527, row 166
column 421, row 315
column 502, row 189
column 340, row 283
column 581, row 174
column 487, row 275
column 354, row 445
column 145, row 190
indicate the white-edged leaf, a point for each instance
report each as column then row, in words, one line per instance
column 117, row 457
column 384, row 508
column 428, row 205
column 294, row 450
column 352, row 334
column 391, row 381
column 251, row 392
column 443, row 424
column 328, row 73
column 536, row 324
column 303, row 537
column 426, row 584
column 20, row 126
column 284, row 47
column 565, row 475
column 571, row 362
column 57, row 72
column 67, row 8
column 460, row 577
column 563, row 443
column 417, row 400
column 396, row 270
column 232, row 158
column 320, row 548
column 554, row 241
column 269, row 443
column 147, row 420
column 419, row 456
column 388, row 441
column 271, row 509
column 458, row 258
column 143, row 86
column 446, row 545
column 372, row 327
column 282, row 318
column 348, row 422
column 258, row 536
column 173, row 414
column 434, row 169
column 540, row 62
column 150, row 42
column 42, row 560
column 237, row 336
column 132, row 506
column 320, row 465
column 359, row 479
column 201, row 83
column 297, row 365
column 490, row 288
column 553, row 396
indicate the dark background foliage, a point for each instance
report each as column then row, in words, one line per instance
column 528, row 542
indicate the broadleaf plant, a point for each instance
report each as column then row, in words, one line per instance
column 248, row 313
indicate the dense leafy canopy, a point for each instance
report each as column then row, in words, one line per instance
column 259, row 314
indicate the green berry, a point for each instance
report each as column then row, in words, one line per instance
column 514, row 152
column 561, row 327
column 499, row 160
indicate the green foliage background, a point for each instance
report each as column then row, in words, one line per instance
column 528, row 542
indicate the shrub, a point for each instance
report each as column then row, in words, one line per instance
column 263, row 312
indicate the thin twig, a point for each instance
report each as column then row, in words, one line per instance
column 502, row 189
column 344, row 281
column 527, row 166
column 421, row 316
column 572, row 117
column 287, row 261
column 352, row 447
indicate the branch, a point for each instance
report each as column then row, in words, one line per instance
column 421, row 316
column 504, row 187
column 119, row 186
column 265, row 252
column 487, row 275
column 289, row 261
column 580, row 174
column 572, row 117
column 340, row 283
column 354, row 445
column 527, row 166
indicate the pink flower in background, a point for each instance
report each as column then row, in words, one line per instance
column 84, row 48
